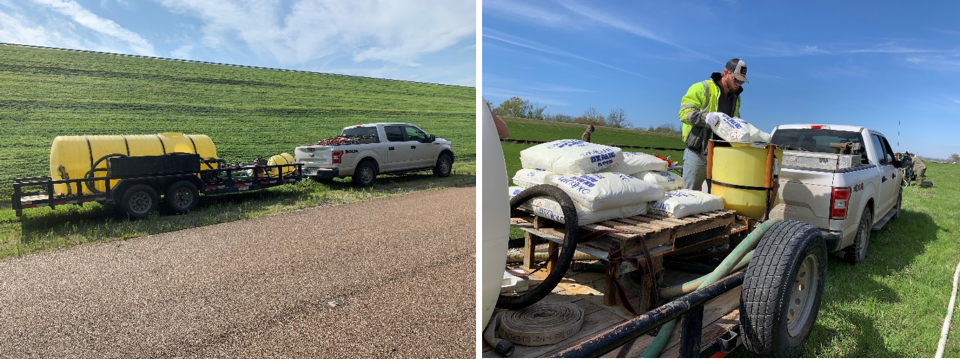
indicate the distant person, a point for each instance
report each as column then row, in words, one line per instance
column 919, row 169
column 502, row 129
column 700, row 108
column 906, row 162
column 587, row 133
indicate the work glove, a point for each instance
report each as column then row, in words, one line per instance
column 713, row 118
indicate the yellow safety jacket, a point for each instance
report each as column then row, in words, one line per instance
column 701, row 99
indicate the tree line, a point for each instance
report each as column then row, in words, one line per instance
column 520, row 108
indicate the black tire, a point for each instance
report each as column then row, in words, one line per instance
column 365, row 174
column 181, row 197
column 566, row 249
column 857, row 252
column 444, row 165
column 782, row 289
column 139, row 200
column 899, row 205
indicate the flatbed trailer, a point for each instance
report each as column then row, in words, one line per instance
column 669, row 252
column 139, row 194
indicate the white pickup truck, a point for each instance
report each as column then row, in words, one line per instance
column 841, row 179
column 379, row 148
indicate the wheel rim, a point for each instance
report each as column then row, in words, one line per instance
column 802, row 295
column 445, row 165
column 182, row 197
column 140, row 202
column 366, row 174
column 864, row 237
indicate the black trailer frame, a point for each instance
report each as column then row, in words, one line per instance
column 33, row 192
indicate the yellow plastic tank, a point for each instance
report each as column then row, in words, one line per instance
column 281, row 159
column 738, row 175
column 73, row 157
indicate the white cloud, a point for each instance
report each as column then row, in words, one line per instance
column 392, row 31
column 516, row 41
column 102, row 26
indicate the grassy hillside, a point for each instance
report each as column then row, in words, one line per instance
column 247, row 112
column 891, row 305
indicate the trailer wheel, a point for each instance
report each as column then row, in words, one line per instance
column 181, row 197
column 365, row 173
column 444, row 165
column 139, row 200
column 782, row 289
column 857, row 252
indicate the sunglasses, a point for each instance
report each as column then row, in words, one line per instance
column 737, row 81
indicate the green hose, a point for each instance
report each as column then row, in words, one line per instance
column 722, row 270
column 681, row 289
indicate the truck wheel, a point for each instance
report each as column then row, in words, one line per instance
column 139, row 200
column 857, row 252
column 782, row 289
column 181, row 197
column 365, row 173
column 444, row 165
column 899, row 205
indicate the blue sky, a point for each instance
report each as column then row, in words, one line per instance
column 417, row 40
column 890, row 65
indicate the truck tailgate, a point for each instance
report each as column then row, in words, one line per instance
column 314, row 156
column 805, row 196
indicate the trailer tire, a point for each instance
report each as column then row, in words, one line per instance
column 782, row 289
column 566, row 249
column 365, row 173
column 857, row 252
column 444, row 165
column 181, row 197
column 139, row 200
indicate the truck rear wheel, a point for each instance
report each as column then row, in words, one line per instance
column 444, row 165
column 365, row 173
column 782, row 289
column 139, row 200
column 857, row 252
column 181, row 197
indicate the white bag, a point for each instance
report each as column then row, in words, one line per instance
column 570, row 157
column 636, row 162
column 526, row 178
column 666, row 180
column 735, row 129
column 550, row 209
column 600, row 191
column 685, row 202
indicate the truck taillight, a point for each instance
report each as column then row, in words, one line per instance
column 839, row 199
column 337, row 156
column 816, row 127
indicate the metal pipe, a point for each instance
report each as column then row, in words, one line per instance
column 623, row 333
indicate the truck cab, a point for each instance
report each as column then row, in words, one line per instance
column 842, row 179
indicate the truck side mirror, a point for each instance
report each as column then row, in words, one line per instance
column 431, row 138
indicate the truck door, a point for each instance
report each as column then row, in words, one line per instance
column 421, row 153
column 889, row 176
column 398, row 154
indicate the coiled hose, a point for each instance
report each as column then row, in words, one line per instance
column 725, row 268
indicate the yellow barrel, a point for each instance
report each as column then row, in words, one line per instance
column 73, row 157
column 738, row 175
column 281, row 159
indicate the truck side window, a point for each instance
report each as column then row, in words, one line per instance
column 394, row 133
column 414, row 134
column 879, row 150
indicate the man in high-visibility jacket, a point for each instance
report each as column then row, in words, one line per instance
column 700, row 108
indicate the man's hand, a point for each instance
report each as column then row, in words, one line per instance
column 713, row 118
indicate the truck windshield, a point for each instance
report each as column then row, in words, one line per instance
column 811, row 140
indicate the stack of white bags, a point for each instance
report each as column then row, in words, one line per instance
column 605, row 183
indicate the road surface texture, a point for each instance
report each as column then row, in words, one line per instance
column 400, row 273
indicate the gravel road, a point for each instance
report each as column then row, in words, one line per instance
column 400, row 272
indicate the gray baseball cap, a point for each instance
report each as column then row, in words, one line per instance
column 738, row 68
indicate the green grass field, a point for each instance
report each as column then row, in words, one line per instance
column 247, row 112
column 891, row 305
